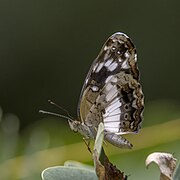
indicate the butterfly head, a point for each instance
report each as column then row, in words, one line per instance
column 74, row 125
column 82, row 128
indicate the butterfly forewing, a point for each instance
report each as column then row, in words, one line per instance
column 112, row 93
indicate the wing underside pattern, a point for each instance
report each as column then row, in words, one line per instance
column 112, row 93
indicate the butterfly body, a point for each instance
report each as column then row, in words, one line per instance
column 112, row 93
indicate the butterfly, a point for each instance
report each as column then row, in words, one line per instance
column 111, row 94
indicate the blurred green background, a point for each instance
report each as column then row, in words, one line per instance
column 46, row 48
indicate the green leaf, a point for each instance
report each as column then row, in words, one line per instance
column 68, row 173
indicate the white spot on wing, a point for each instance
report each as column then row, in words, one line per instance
column 94, row 88
column 108, row 62
column 112, row 129
column 95, row 66
column 87, row 80
column 111, row 125
column 135, row 57
column 125, row 65
column 113, row 66
column 99, row 67
column 114, row 79
column 111, row 93
column 120, row 60
column 126, row 55
column 108, row 86
column 105, row 48
column 113, row 113
column 109, row 119
column 115, row 104
column 108, row 78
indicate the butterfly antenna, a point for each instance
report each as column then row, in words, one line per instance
column 58, row 106
column 55, row 114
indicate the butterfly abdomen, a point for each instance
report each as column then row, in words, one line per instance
column 117, row 141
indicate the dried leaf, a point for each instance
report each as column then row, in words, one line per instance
column 112, row 172
column 100, row 170
column 105, row 170
column 166, row 163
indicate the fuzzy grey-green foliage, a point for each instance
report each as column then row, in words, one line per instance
column 68, row 173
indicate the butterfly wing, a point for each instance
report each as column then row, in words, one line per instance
column 112, row 93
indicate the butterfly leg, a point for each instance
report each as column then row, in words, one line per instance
column 87, row 142
column 117, row 140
